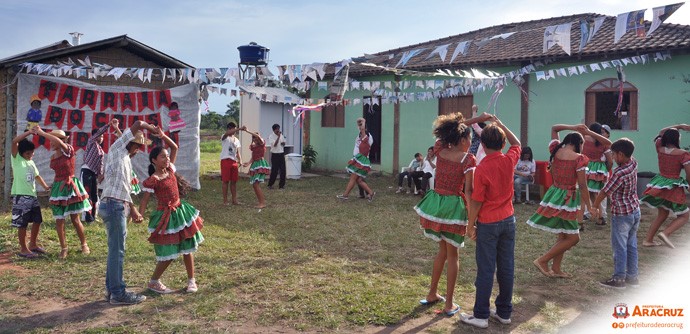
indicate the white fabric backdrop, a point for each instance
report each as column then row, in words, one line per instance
column 185, row 95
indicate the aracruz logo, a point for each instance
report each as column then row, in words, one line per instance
column 620, row 311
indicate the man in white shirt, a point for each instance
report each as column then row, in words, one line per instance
column 230, row 161
column 277, row 144
column 117, row 204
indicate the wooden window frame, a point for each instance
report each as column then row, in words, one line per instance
column 462, row 103
column 611, row 85
column 333, row 115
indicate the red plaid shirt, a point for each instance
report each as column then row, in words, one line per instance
column 622, row 188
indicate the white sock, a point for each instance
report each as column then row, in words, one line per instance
column 155, row 281
column 191, row 281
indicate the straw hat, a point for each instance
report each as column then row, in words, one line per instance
column 58, row 133
column 140, row 139
column 35, row 98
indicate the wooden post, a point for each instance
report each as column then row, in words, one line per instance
column 524, row 111
column 396, row 129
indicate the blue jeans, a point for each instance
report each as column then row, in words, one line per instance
column 624, row 244
column 114, row 214
column 495, row 253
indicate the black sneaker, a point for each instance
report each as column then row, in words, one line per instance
column 632, row 282
column 614, row 283
column 129, row 298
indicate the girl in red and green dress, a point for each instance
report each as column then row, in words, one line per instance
column 359, row 166
column 666, row 191
column 443, row 210
column 68, row 196
column 175, row 225
column 558, row 210
column 597, row 149
column 258, row 167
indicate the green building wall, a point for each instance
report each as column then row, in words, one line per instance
column 662, row 100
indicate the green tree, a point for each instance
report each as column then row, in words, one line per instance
column 211, row 121
column 233, row 109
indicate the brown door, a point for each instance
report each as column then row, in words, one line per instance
column 449, row 105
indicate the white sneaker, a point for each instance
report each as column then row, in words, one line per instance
column 472, row 321
column 192, row 287
column 496, row 317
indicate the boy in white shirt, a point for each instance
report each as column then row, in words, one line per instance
column 230, row 161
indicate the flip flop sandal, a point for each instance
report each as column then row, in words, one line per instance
column 456, row 309
column 38, row 250
column 27, row 256
column 427, row 303
column 651, row 244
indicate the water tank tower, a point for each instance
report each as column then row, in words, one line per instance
column 252, row 56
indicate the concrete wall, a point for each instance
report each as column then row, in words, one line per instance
column 260, row 116
column 663, row 100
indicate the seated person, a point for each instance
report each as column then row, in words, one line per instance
column 429, row 169
column 413, row 172
column 524, row 172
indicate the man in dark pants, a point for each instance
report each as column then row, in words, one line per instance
column 277, row 145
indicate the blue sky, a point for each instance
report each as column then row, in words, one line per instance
column 207, row 33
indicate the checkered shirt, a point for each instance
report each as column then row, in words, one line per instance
column 118, row 170
column 93, row 156
column 622, row 188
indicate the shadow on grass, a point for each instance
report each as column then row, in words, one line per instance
column 414, row 314
column 47, row 320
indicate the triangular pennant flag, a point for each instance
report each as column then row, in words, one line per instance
column 629, row 21
column 461, row 48
column 660, row 14
column 407, row 55
column 558, row 35
column 441, row 51
column 588, row 28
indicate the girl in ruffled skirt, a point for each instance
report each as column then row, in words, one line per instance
column 443, row 210
column 68, row 196
column 258, row 167
column 558, row 210
column 666, row 191
column 175, row 225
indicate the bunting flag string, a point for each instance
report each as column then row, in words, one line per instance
column 576, row 70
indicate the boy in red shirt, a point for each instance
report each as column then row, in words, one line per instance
column 491, row 209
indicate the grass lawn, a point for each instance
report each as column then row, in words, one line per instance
column 308, row 262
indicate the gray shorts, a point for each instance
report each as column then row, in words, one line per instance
column 25, row 210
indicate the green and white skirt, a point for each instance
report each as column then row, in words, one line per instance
column 443, row 217
column 181, row 236
column 258, row 171
column 557, row 212
column 597, row 174
column 359, row 165
column 68, row 199
column 666, row 193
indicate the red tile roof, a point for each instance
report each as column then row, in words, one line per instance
column 526, row 45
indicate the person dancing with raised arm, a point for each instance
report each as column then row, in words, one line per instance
column 558, row 210
column 666, row 191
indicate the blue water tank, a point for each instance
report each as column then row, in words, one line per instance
column 253, row 54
